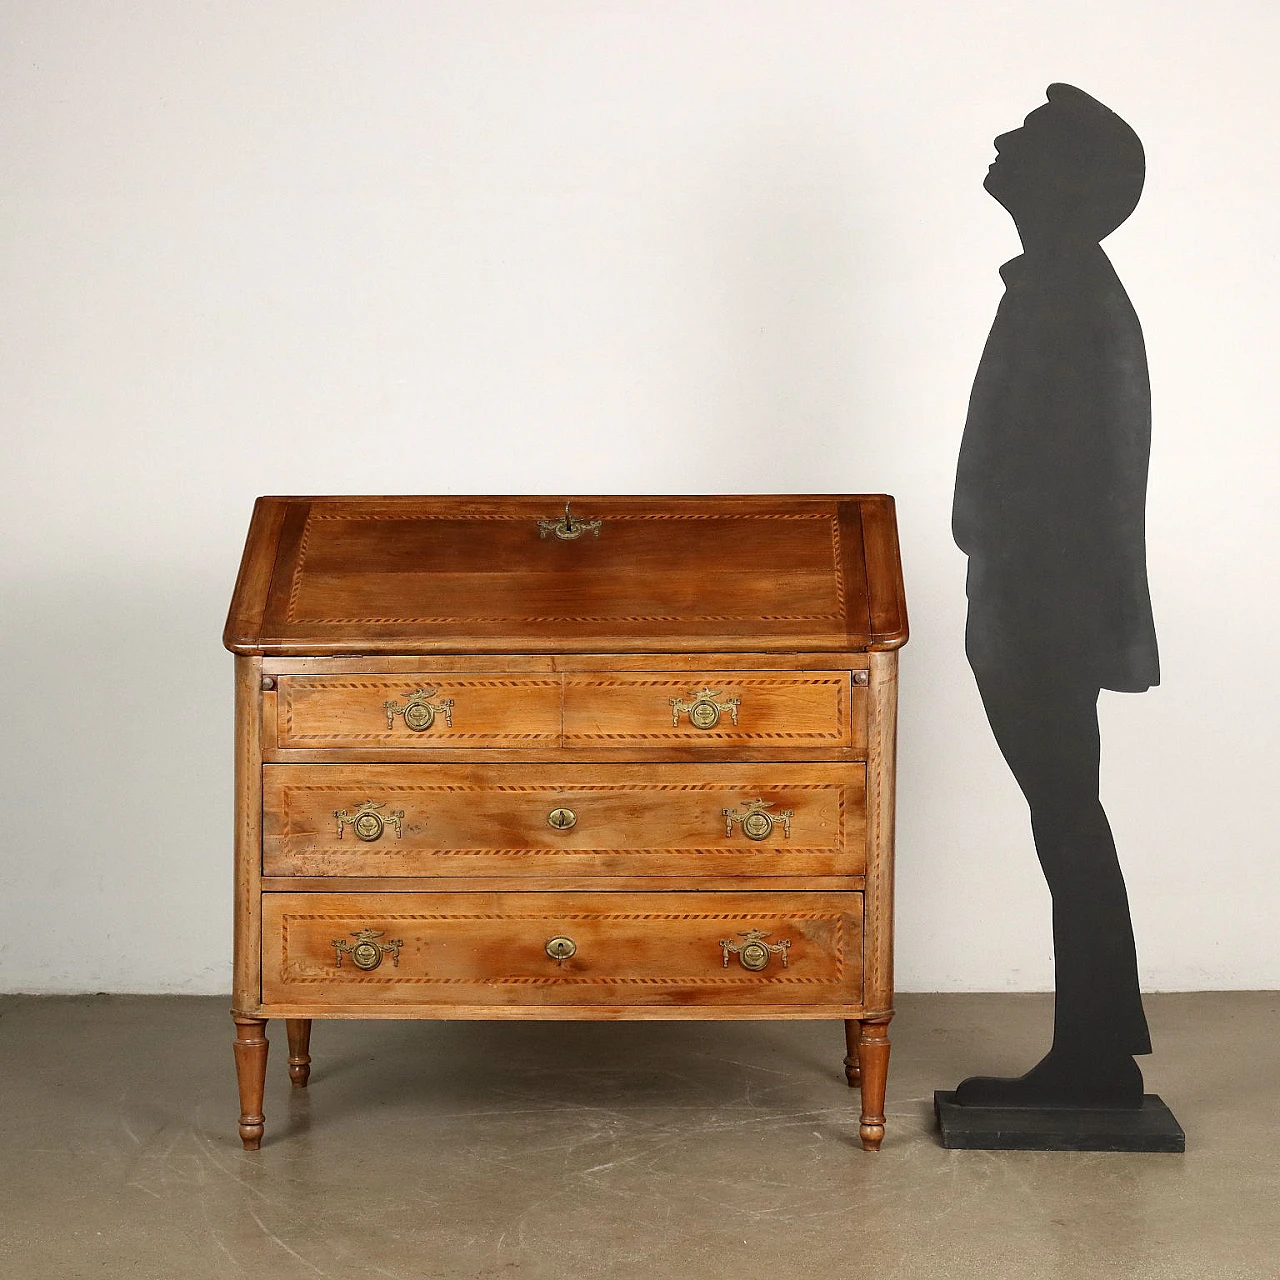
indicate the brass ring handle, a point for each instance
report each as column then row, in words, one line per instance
column 560, row 948
column 755, row 952
column 366, row 954
column 419, row 711
column 368, row 823
column 704, row 709
column 757, row 822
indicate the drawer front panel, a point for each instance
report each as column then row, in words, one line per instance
column 719, row 949
column 418, row 712
column 634, row 820
column 756, row 712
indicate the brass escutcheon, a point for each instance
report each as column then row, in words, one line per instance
column 365, row 953
column 754, row 953
column 566, row 528
column 561, row 948
column 367, row 822
column 419, row 711
column 562, row 819
column 757, row 824
column 704, row 709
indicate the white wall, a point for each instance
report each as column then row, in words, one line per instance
column 504, row 246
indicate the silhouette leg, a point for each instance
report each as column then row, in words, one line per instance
column 1047, row 730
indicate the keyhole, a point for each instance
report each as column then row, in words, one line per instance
column 562, row 819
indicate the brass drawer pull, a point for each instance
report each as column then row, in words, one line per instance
column 566, row 528
column 754, row 953
column 756, row 823
column 365, row 953
column 562, row 819
column 704, row 709
column 560, row 949
column 367, row 822
column 419, row 711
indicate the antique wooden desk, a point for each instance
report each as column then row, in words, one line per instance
column 500, row 759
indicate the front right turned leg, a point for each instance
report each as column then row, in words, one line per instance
column 873, row 1056
column 250, row 1048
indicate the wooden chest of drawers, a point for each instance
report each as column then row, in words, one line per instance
column 632, row 760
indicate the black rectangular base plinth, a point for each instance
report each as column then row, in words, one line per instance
column 1148, row 1128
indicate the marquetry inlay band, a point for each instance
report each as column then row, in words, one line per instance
column 317, row 514
column 368, row 937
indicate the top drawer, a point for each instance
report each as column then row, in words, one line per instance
column 755, row 710
column 640, row 714
column 418, row 711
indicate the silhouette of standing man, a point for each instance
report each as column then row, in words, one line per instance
column 1050, row 509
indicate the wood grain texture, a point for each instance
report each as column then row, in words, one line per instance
column 484, row 948
column 881, row 787
column 535, row 664
column 561, row 658
column 631, row 820
column 247, row 913
column 253, row 582
column 299, row 1033
column 887, row 597
column 349, row 711
column 799, row 712
column 250, row 1048
column 873, row 1066
column 578, row 1012
column 525, row 883
column 802, row 710
column 421, row 575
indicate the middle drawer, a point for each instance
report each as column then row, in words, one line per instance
column 613, row 819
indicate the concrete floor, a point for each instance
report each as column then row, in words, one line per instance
column 698, row 1151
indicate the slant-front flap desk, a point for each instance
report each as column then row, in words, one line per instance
column 508, row 758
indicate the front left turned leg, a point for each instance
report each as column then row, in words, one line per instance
column 873, row 1057
column 251, row 1075
column 299, row 1030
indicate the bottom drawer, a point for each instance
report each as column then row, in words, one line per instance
column 732, row 949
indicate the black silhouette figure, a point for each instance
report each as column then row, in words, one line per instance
column 1050, row 509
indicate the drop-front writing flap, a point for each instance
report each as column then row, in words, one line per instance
column 604, row 574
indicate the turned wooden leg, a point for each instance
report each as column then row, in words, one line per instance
column 873, row 1059
column 251, row 1075
column 299, row 1030
column 852, row 1072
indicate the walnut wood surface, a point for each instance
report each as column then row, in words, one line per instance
column 524, row 883
column 873, row 1064
column 350, row 711
column 631, row 820
column 299, row 1032
column 485, row 948
column 881, row 772
column 716, row 574
column 246, row 985
column 561, row 658
column 803, row 710
column 250, row 1049
column 608, row 710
